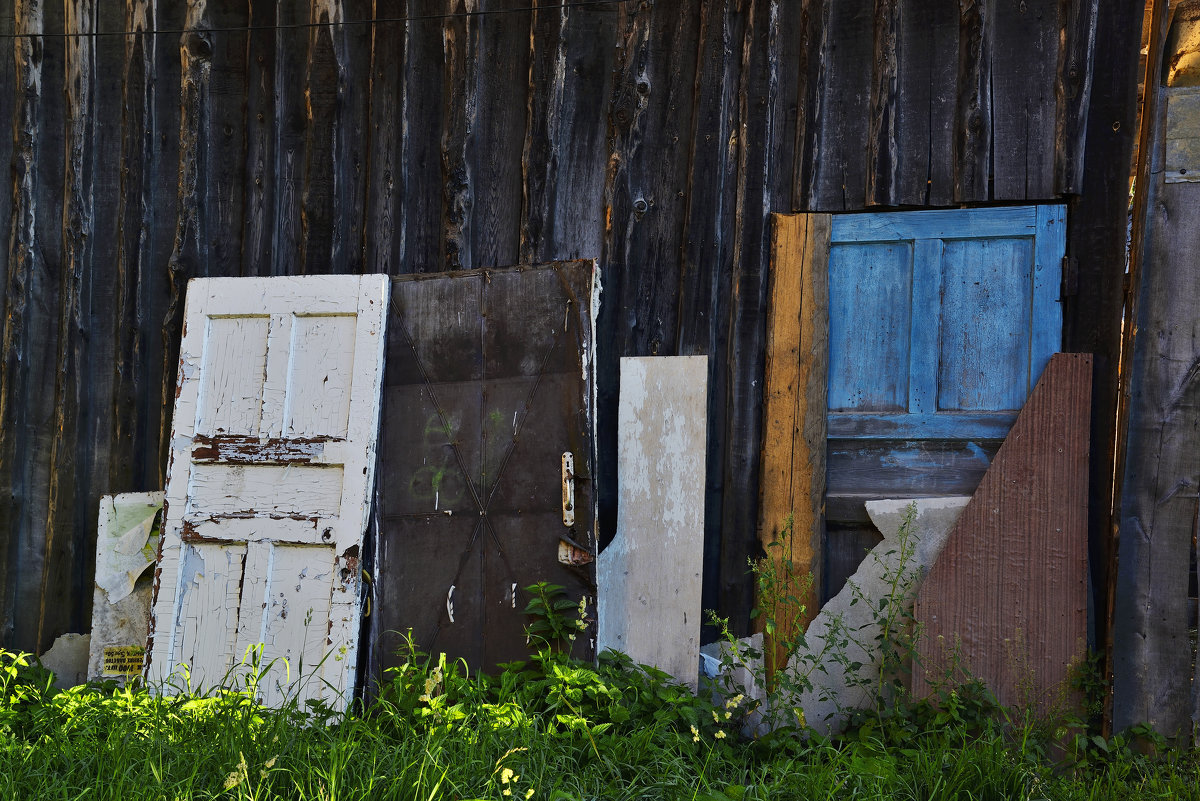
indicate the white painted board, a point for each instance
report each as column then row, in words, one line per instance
column 126, row 544
column 649, row 577
column 272, row 463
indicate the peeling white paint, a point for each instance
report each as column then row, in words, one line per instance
column 124, row 548
column 649, row 577
column 260, row 559
column 126, row 543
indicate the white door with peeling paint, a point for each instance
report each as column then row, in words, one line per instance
column 271, row 468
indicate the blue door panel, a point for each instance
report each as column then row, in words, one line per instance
column 985, row 317
column 869, row 316
column 940, row 322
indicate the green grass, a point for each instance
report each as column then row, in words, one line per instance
column 549, row 729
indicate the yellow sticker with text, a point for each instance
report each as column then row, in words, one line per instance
column 125, row 660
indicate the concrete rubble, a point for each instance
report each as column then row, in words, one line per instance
column 841, row 659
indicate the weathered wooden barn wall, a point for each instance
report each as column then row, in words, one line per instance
column 259, row 138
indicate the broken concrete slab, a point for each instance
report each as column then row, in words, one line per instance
column 649, row 577
column 842, row 660
column 126, row 543
column 68, row 660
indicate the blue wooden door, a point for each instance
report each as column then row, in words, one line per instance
column 940, row 322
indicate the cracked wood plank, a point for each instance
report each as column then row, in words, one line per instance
column 794, row 415
column 272, row 462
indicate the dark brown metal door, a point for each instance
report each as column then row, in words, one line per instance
column 488, row 385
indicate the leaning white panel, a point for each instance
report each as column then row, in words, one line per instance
column 126, row 541
column 272, row 461
column 649, row 577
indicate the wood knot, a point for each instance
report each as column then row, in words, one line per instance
column 197, row 45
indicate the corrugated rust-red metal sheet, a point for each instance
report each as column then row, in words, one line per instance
column 1007, row 597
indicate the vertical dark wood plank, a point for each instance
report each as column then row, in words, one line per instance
column 705, row 263
column 706, row 266
column 883, row 155
column 655, row 93
column 1024, row 67
column 99, row 300
column 812, row 30
column 55, row 294
column 973, row 135
column 565, row 156
column 320, row 102
column 146, row 206
column 1096, row 236
column 291, row 129
column 60, row 590
column 422, row 125
column 176, row 191
column 497, row 138
column 539, row 159
column 1016, row 616
column 260, row 204
column 337, row 88
column 27, row 375
column 652, row 103
column 352, row 47
column 1073, row 92
column 841, row 166
column 225, row 139
column 190, row 255
column 763, row 184
column 386, row 172
column 460, row 42
column 10, row 107
column 926, row 114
